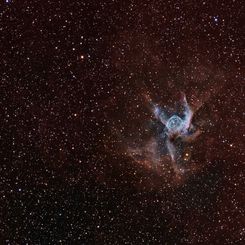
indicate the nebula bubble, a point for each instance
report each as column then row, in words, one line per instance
column 174, row 123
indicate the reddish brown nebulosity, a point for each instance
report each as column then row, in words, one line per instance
column 76, row 148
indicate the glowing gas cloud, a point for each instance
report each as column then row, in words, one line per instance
column 169, row 145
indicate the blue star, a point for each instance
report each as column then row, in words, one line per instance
column 216, row 19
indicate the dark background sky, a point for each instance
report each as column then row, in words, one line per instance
column 72, row 78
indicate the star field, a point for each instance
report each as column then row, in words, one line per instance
column 78, row 136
